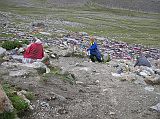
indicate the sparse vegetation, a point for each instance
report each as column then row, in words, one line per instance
column 56, row 71
column 30, row 96
column 9, row 45
column 3, row 35
column 18, row 103
column 8, row 115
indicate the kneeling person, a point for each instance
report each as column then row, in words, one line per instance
column 94, row 52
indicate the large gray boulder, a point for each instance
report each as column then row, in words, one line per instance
column 142, row 61
column 2, row 51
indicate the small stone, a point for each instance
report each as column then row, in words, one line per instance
column 112, row 113
column 97, row 81
column 156, row 107
column 62, row 111
column 150, row 70
column 116, row 75
column 149, row 88
column 94, row 71
column 143, row 74
column 153, row 81
column 140, row 81
column 52, row 56
column 157, row 71
column 79, row 82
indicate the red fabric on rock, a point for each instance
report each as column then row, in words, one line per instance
column 34, row 51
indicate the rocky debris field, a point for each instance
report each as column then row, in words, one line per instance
column 72, row 87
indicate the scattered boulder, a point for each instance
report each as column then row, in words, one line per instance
column 40, row 25
column 2, row 51
column 106, row 58
column 157, row 63
column 140, row 81
column 18, row 73
column 144, row 74
column 39, row 66
column 150, row 70
column 156, row 107
column 5, row 103
column 153, row 81
column 142, row 61
column 157, row 71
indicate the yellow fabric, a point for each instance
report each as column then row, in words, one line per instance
column 91, row 43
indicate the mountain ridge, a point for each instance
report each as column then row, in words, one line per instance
column 137, row 5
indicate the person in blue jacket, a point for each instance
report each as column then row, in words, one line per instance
column 94, row 52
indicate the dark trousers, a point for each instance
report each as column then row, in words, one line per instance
column 98, row 58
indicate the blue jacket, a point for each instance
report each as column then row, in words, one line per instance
column 94, row 50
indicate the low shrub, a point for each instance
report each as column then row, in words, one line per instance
column 18, row 103
column 9, row 45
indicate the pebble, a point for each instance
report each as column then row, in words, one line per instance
column 156, row 107
column 149, row 88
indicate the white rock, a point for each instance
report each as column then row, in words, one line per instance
column 52, row 56
column 18, row 73
column 112, row 113
column 149, row 70
column 45, row 33
column 79, row 82
column 156, row 107
column 149, row 88
column 84, row 68
column 116, row 75
column 144, row 74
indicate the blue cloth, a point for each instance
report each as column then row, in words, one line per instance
column 142, row 61
column 94, row 50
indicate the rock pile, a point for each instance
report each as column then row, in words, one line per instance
column 125, row 70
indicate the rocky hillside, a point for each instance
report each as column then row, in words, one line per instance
column 139, row 5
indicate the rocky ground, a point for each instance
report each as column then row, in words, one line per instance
column 72, row 87
column 93, row 94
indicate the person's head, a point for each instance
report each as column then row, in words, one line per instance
column 92, row 39
column 36, row 40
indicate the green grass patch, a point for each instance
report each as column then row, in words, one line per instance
column 9, row 45
column 8, row 115
column 57, row 73
column 3, row 35
column 18, row 103
column 30, row 96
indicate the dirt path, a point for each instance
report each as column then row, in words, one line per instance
column 95, row 95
